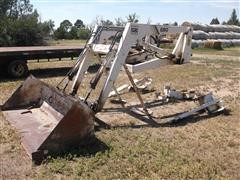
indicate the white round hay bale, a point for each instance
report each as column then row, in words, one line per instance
column 235, row 28
column 198, row 26
column 220, row 35
column 227, row 28
column 236, row 42
column 205, row 28
column 213, row 27
column 194, row 43
column 226, row 43
column 210, row 28
column 235, row 35
column 221, row 28
column 200, row 43
column 227, row 35
column 197, row 43
column 200, row 35
column 212, row 35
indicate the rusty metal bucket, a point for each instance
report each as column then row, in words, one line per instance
column 48, row 120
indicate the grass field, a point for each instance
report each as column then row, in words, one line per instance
column 66, row 42
column 197, row 148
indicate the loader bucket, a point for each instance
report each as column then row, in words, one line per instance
column 48, row 120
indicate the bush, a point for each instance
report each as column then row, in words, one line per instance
column 84, row 33
column 20, row 25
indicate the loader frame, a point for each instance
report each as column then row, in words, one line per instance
column 133, row 35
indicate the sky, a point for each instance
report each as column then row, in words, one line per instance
column 158, row 11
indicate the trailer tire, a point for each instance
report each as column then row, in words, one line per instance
column 17, row 69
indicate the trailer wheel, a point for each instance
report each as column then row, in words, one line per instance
column 17, row 69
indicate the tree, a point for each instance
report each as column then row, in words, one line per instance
column 84, row 33
column 149, row 21
column 175, row 23
column 60, row 33
column 63, row 31
column 224, row 23
column 120, row 22
column 66, row 25
column 215, row 21
column 15, row 8
column 96, row 21
column 26, row 31
column 47, row 27
column 79, row 24
column 73, row 33
column 133, row 18
column 233, row 20
column 106, row 22
column 20, row 24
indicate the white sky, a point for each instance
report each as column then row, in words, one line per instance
column 159, row 11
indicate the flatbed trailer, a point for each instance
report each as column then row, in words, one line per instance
column 13, row 60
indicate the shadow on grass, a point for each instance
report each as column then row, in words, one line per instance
column 170, row 122
column 47, row 73
column 54, row 72
column 89, row 147
column 164, row 121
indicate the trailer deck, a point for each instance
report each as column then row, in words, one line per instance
column 13, row 60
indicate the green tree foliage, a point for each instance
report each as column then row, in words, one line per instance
column 79, row 24
column 106, row 22
column 67, row 31
column 224, row 23
column 66, row 25
column 73, row 33
column 84, row 33
column 175, row 23
column 47, row 27
column 120, row 22
column 20, row 25
column 233, row 20
column 25, row 31
column 215, row 21
column 60, row 33
column 63, row 31
column 133, row 18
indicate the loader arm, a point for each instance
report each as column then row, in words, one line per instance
column 136, row 35
column 51, row 120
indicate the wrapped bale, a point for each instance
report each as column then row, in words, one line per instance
column 235, row 35
column 196, row 26
column 219, row 28
column 195, row 43
column 213, row 44
column 224, row 35
column 236, row 42
column 212, row 35
column 200, row 35
column 235, row 28
column 210, row 28
column 223, row 28
column 226, row 43
column 200, row 43
column 213, row 28
column 202, row 27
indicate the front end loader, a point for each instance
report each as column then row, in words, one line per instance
column 51, row 120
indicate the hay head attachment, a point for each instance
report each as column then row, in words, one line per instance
column 48, row 120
